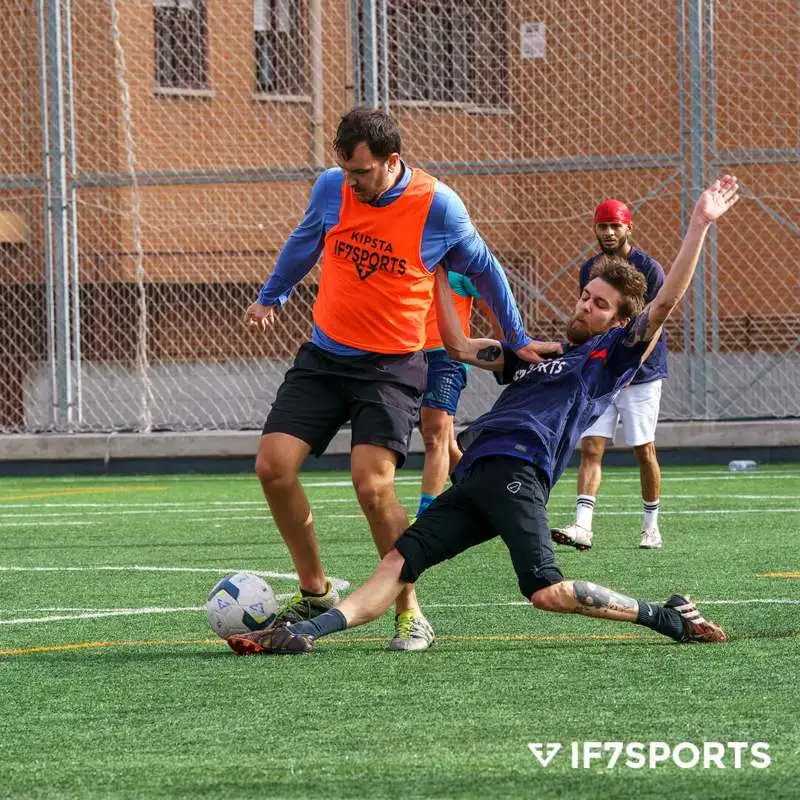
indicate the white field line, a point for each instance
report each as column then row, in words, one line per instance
column 241, row 505
column 117, row 509
column 99, row 613
column 37, row 522
column 289, row 576
column 338, row 583
column 669, row 512
column 764, row 473
column 746, row 601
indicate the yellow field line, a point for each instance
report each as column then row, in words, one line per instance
column 23, row 651
column 778, row 575
column 57, row 648
column 88, row 490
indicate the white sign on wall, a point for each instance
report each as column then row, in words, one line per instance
column 531, row 36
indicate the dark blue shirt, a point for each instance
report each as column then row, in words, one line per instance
column 656, row 365
column 448, row 237
column 541, row 415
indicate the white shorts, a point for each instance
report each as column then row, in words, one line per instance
column 638, row 407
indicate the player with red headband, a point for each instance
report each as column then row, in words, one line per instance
column 637, row 404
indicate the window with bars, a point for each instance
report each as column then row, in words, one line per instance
column 181, row 45
column 448, row 51
column 281, row 47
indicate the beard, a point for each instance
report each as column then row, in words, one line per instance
column 578, row 332
column 617, row 249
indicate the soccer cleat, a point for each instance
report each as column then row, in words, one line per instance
column 302, row 606
column 278, row 639
column 411, row 632
column 573, row 536
column 651, row 539
column 696, row 630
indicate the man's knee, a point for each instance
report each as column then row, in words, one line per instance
column 593, row 448
column 393, row 564
column 436, row 433
column 555, row 597
column 646, row 453
column 539, row 580
column 373, row 490
column 275, row 468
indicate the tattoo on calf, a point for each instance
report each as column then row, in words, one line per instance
column 591, row 595
column 490, row 353
column 638, row 328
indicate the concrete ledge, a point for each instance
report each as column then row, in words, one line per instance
column 243, row 444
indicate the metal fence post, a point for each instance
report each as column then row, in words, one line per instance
column 697, row 362
column 369, row 51
column 58, row 212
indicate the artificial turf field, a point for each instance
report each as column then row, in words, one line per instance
column 112, row 685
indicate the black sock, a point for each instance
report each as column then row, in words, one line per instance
column 329, row 622
column 666, row 621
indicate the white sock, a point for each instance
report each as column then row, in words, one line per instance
column 584, row 510
column 651, row 514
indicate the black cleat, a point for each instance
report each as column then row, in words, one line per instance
column 696, row 630
column 278, row 639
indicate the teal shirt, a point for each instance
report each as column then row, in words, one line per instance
column 462, row 285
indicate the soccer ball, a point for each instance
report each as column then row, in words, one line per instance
column 241, row 603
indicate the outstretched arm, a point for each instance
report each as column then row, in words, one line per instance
column 711, row 205
column 486, row 353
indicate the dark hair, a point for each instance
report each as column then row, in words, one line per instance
column 626, row 279
column 371, row 125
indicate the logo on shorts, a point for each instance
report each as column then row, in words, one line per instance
column 514, row 487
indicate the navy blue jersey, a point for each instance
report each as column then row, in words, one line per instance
column 548, row 405
column 656, row 365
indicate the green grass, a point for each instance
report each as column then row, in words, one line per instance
column 151, row 705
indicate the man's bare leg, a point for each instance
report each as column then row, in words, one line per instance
column 650, row 477
column 590, row 474
column 677, row 618
column 280, row 457
column 436, row 427
column 373, row 471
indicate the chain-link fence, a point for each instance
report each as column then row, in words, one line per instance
column 157, row 153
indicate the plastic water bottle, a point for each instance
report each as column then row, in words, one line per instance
column 743, row 465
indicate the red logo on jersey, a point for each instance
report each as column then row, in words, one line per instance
column 601, row 354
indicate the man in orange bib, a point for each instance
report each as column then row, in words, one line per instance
column 381, row 228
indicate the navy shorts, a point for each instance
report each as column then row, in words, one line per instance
column 446, row 380
column 378, row 394
column 497, row 496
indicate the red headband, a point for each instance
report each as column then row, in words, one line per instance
column 612, row 211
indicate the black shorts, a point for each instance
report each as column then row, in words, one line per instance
column 378, row 394
column 498, row 496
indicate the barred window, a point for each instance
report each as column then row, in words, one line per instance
column 448, row 51
column 181, row 43
column 281, row 46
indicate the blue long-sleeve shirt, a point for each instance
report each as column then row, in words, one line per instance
column 448, row 237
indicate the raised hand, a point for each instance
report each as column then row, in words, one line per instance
column 722, row 195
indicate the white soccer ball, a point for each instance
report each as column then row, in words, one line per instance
column 241, row 603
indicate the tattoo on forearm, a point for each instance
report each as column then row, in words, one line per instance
column 638, row 328
column 490, row 353
column 590, row 595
